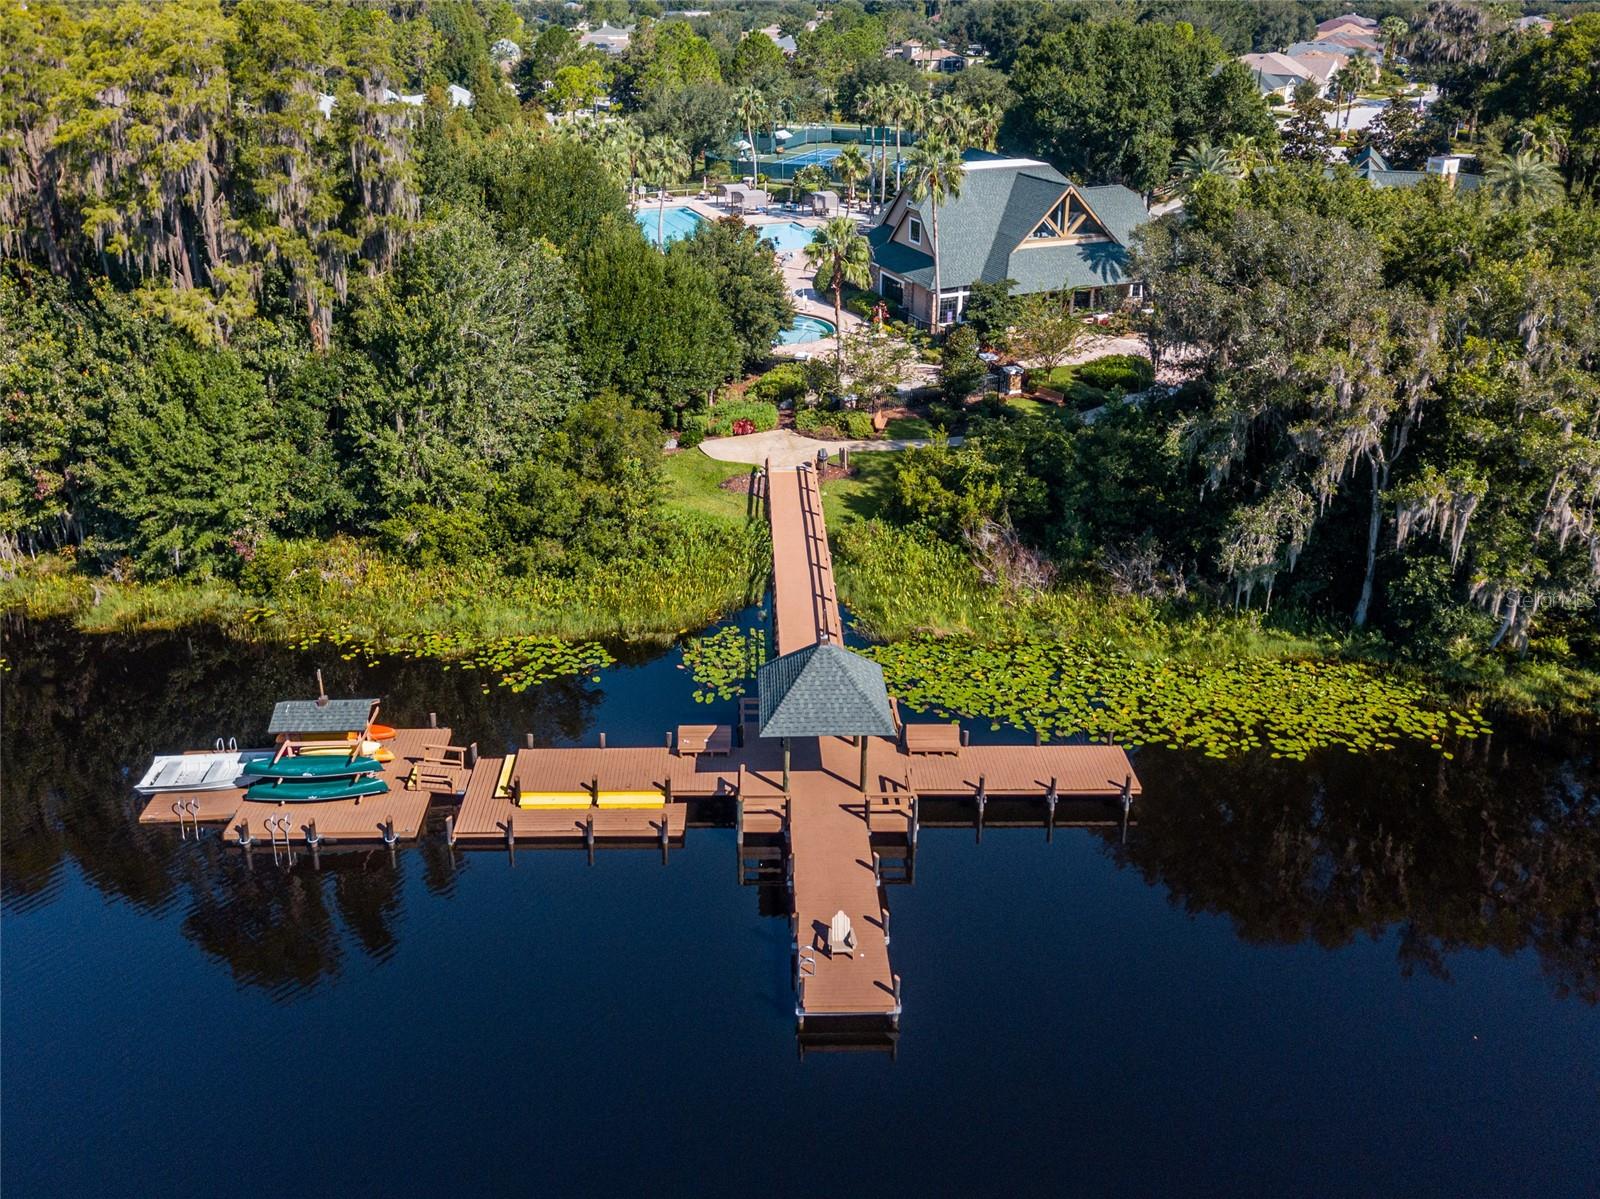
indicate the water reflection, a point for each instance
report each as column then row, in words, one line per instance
column 1498, row 849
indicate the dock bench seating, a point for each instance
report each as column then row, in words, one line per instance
column 708, row 739
column 933, row 738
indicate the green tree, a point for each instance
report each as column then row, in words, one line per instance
column 663, row 164
column 1110, row 101
column 840, row 256
column 748, row 282
column 961, row 371
column 539, row 186
column 849, row 167
column 757, row 62
column 193, row 469
column 655, row 329
column 471, row 340
column 1307, row 138
column 1524, row 178
column 992, row 309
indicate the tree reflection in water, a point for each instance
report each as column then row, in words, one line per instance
column 83, row 715
column 1499, row 848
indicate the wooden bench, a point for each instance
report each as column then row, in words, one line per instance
column 709, row 739
column 432, row 776
column 933, row 738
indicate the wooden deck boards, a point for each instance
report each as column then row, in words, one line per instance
column 336, row 820
column 833, row 872
column 805, row 604
column 484, row 813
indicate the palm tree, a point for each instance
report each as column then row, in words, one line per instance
column 1250, row 154
column 875, row 105
column 1524, row 178
column 1359, row 73
column 903, row 108
column 663, row 163
column 839, row 255
column 936, row 175
column 1202, row 160
column 985, row 125
column 949, row 118
column 1545, row 136
column 1393, row 30
column 849, row 166
column 750, row 106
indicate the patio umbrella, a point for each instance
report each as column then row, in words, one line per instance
column 783, row 135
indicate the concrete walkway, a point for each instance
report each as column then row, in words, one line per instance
column 785, row 447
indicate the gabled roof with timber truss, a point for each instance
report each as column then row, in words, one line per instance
column 1016, row 218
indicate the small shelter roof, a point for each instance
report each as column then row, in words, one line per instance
column 321, row 716
column 823, row 690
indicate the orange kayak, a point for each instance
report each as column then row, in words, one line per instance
column 375, row 732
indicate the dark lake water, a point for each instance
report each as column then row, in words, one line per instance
column 1352, row 976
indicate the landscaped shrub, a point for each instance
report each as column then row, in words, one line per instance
column 1120, row 373
column 720, row 420
column 850, row 424
column 787, row 381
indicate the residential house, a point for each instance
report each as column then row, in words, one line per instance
column 1533, row 24
column 609, row 38
column 1016, row 218
column 1373, row 167
column 781, row 39
column 1349, row 23
column 1278, row 75
column 1341, row 43
column 928, row 58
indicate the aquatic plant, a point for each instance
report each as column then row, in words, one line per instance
column 515, row 662
column 721, row 663
column 1288, row 707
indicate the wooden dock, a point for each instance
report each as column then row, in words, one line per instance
column 804, row 603
column 396, row 815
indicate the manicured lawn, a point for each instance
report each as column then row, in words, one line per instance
column 694, row 483
column 861, row 496
column 908, row 427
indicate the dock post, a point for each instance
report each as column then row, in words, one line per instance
column 244, row 833
column 471, row 756
column 1050, row 807
column 527, row 740
column 314, row 841
column 1127, row 805
column 983, row 799
column 588, row 836
column 916, row 820
column 865, row 741
column 886, row 928
column 866, row 810
column 738, row 820
column 877, row 869
column 602, row 740
column 450, row 830
column 788, row 815
column 786, row 766
column 433, row 720
column 894, row 1020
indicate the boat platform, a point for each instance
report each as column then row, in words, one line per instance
column 397, row 815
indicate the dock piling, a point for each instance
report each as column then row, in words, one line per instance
column 588, row 836
column 527, row 739
column 1050, row 810
column 471, row 756
column 602, row 740
column 433, row 720
column 450, row 829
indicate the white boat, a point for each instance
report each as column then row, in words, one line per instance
column 209, row 771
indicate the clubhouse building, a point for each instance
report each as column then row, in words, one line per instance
column 1016, row 218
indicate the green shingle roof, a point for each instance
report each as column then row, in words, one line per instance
column 823, row 691
column 310, row 716
column 981, row 229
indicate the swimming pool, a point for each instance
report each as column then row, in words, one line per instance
column 805, row 328
column 787, row 236
column 676, row 222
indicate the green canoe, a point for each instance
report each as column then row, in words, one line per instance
column 305, row 791
column 313, row 766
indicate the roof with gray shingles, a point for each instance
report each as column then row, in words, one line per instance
column 823, row 691
column 310, row 716
column 983, row 232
